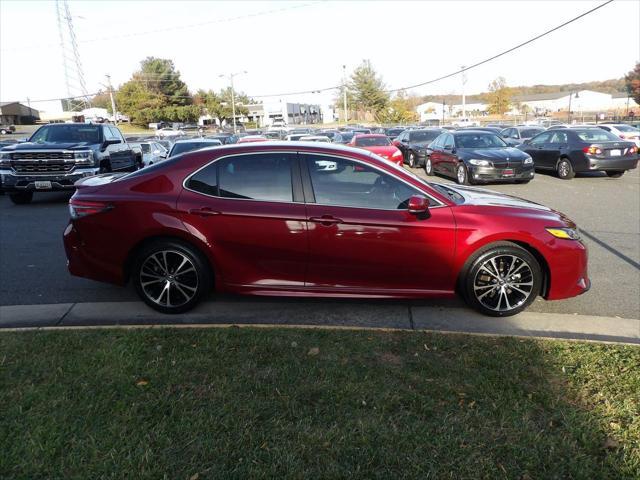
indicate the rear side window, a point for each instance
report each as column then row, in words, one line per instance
column 596, row 135
column 264, row 177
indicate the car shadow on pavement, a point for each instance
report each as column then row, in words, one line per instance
column 609, row 248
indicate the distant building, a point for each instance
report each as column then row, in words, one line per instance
column 264, row 114
column 17, row 114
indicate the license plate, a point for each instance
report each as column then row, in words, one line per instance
column 507, row 173
column 615, row 153
column 43, row 185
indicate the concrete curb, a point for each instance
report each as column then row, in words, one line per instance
column 330, row 315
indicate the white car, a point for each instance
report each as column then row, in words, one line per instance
column 623, row 131
column 315, row 138
column 152, row 152
column 465, row 122
column 190, row 144
column 169, row 132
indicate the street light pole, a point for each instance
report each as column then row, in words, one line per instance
column 233, row 95
column 344, row 92
column 464, row 106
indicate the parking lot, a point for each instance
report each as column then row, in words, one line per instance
column 33, row 263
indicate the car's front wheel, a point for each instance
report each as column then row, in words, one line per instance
column 428, row 167
column 412, row 160
column 171, row 276
column 462, row 176
column 502, row 280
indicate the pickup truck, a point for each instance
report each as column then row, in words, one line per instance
column 57, row 155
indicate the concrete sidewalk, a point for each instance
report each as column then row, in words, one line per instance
column 328, row 314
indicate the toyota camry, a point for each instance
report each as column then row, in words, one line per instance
column 301, row 219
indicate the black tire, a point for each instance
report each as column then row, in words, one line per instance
column 428, row 167
column 462, row 174
column 21, row 198
column 564, row 169
column 187, row 288
column 614, row 173
column 412, row 160
column 484, row 291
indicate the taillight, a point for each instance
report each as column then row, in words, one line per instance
column 79, row 208
column 592, row 150
column 632, row 150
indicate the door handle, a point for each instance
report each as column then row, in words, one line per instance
column 326, row 220
column 204, row 212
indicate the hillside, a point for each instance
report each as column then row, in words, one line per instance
column 605, row 86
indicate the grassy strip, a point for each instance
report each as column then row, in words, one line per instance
column 254, row 403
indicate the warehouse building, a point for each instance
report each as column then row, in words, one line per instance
column 14, row 113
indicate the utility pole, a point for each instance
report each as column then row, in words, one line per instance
column 113, row 102
column 233, row 95
column 464, row 81
column 344, row 92
column 443, row 111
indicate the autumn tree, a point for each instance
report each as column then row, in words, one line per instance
column 102, row 100
column 219, row 105
column 401, row 109
column 156, row 92
column 632, row 82
column 499, row 96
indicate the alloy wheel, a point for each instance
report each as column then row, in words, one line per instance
column 428, row 167
column 461, row 174
column 503, row 283
column 169, row 278
column 412, row 160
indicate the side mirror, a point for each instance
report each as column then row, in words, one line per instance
column 419, row 206
column 396, row 142
column 106, row 143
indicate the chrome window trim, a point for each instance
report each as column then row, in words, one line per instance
column 188, row 177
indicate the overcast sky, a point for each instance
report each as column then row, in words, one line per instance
column 297, row 45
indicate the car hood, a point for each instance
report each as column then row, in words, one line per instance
column 386, row 150
column 510, row 153
column 481, row 196
column 46, row 146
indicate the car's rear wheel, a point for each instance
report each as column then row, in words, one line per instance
column 565, row 169
column 462, row 176
column 428, row 167
column 614, row 173
column 171, row 276
column 21, row 198
column 412, row 160
column 502, row 281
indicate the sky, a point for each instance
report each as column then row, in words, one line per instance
column 291, row 46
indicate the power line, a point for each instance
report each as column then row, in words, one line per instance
column 503, row 52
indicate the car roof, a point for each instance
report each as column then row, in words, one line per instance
column 198, row 140
column 469, row 130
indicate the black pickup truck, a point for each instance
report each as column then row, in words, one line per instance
column 57, row 155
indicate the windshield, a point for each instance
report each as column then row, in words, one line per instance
column 372, row 142
column 423, row 136
column 179, row 148
column 531, row 132
column 479, row 140
column 72, row 133
column 627, row 128
column 596, row 135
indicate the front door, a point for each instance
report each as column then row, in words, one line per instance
column 249, row 209
column 538, row 148
column 362, row 239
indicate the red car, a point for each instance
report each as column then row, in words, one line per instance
column 378, row 144
column 282, row 218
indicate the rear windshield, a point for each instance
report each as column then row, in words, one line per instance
column 179, row 148
column 347, row 136
column 479, row 140
column 372, row 142
column 146, row 148
column 423, row 136
column 596, row 135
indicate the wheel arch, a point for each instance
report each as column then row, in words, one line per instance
column 137, row 248
column 542, row 261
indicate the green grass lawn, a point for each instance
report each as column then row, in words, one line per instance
column 285, row 403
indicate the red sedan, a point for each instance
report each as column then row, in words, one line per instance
column 378, row 144
column 284, row 218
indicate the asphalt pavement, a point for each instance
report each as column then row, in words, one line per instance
column 33, row 263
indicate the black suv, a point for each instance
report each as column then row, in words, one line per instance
column 57, row 155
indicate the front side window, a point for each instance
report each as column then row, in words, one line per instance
column 541, row 139
column 264, row 177
column 559, row 137
column 346, row 183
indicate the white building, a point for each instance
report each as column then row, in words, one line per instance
column 264, row 114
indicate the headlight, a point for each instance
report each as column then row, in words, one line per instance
column 528, row 161
column 480, row 163
column 565, row 233
column 84, row 158
column 5, row 159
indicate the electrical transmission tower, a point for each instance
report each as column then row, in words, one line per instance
column 78, row 97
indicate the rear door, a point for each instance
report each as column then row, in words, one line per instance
column 362, row 239
column 249, row 209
